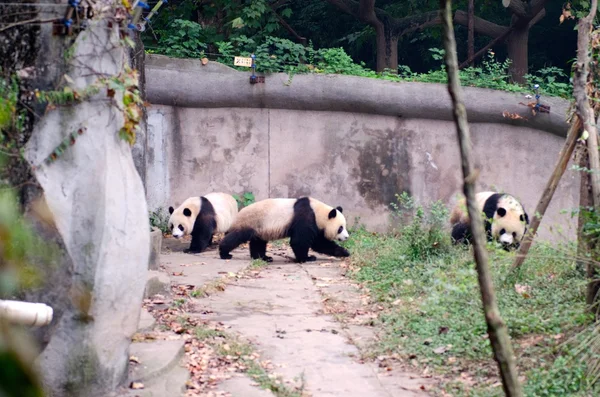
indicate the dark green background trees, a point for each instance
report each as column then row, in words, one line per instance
column 194, row 28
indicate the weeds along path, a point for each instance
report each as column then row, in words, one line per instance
column 294, row 329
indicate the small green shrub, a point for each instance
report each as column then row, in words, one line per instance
column 425, row 234
column 245, row 199
column 159, row 218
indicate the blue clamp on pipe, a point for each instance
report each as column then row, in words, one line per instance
column 143, row 5
column 253, row 79
column 536, row 87
column 67, row 22
column 74, row 3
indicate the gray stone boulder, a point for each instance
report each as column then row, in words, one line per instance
column 99, row 207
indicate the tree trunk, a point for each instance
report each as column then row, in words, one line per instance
column 471, row 32
column 586, row 247
column 517, row 45
column 585, row 201
column 387, row 47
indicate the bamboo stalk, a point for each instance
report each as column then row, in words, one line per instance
column 497, row 330
column 542, row 205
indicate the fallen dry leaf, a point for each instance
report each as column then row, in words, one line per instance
column 440, row 350
column 523, row 290
column 136, row 385
column 134, row 359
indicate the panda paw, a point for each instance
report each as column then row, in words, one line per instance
column 342, row 252
column 226, row 256
column 310, row 258
column 267, row 258
column 190, row 251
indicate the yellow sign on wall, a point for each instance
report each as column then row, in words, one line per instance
column 243, row 61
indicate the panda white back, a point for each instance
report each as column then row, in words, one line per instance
column 269, row 218
column 226, row 210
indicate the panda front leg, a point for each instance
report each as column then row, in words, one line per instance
column 258, row 249
column 328, row 247
column 198, row 244
column 300, row 245
column 200, row 240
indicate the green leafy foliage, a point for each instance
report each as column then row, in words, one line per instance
column 159, row 219
column 9, row 92
column 18, row 245
column 185, row 39
column 433, row 312
column 275, row 54
column 245, row 199
column 11, row 118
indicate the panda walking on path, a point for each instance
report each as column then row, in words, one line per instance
column 309, row 223
column 202, row 217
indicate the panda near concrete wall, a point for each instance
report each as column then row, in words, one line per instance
column 309, row 223
column 505, row 219
column 202, row 217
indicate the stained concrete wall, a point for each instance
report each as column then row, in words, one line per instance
column 357, row 159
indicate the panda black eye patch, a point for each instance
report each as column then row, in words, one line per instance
column 340, row 229
column 501, row 211
column 180, row 227
column 502, row 231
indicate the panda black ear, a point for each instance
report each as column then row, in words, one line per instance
column 171, row 210
column 332, row 213
column 187, row 212
column 339, row 209
column 501, row 211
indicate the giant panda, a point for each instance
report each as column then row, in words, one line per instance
column 504, row 216
column 308, row 223
column 202, row 217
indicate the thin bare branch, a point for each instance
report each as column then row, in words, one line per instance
column 27, row 22
column 481, row 25
column 470, row 32
column 497, row 331
column 291, row 30
column 517, row 7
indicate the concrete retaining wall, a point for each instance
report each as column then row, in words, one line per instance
column 348, row 141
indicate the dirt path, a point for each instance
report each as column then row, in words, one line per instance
column 289, row 313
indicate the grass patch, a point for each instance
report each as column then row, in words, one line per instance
column 434, row 316
column 257, row 264
column 210, row 288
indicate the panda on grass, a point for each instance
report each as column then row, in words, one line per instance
column 309, row 223
column 202, row 217
column 504, row 216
